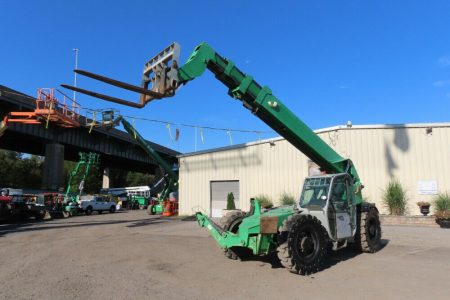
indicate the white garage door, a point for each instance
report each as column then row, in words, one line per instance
column 219, row 192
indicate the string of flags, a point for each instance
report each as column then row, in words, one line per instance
column 198, row 126
column 230, row 137
column 198, row 129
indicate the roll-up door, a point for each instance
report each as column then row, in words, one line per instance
column 219, row 192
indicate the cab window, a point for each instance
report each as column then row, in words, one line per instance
column 315, row 192
column 339, row 194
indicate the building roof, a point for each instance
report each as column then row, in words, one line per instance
column 318, row 131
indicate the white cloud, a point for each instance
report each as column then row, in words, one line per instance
column 441, row 83
column 444, row 61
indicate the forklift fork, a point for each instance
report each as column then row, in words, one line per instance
column 161, row 72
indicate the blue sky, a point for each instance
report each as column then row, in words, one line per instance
column 371, row 62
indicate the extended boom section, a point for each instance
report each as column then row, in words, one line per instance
column 265, row 105
column 171, row 176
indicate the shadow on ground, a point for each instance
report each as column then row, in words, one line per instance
column 145, row 222
column 24, row 225
column 333, row 257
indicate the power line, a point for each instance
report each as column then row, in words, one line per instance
column 199, row 126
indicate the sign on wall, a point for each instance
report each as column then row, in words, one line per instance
column 427, row 187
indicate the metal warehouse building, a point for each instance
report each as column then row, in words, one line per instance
column 416, row 154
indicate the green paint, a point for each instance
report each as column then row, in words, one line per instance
column 260, row 100
column 87, row 160
column 172, row 184
column 248, row 235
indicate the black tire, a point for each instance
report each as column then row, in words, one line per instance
column 368, row 233
column 112, row 209
column 231, row 222
column 100, row 212
column 40, row 215
column 303, row 244
column 150, row 210
column 89, row 210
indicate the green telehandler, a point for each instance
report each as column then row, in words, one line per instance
column 330, row 210
column 69, row 205
column 157, row 205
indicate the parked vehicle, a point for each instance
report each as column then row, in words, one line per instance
column 54, row 204
column 22, row 206
column 98, row 203
column 136, row 197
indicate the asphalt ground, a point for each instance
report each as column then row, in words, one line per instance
column 130, row 255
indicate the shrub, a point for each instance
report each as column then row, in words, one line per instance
column 394, row 198
column 265, row 201
column 442, row 206
column 230, row 201
column 287, row 199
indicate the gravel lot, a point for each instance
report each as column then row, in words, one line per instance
column 129, row 255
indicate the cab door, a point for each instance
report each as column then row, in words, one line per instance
column 341, row 202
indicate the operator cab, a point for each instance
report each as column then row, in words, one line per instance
column 330, row 199
column 315, row 192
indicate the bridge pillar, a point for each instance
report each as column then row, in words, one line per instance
column 53, row 177
column 106, row 179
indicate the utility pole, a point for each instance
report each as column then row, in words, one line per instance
column 75, row 74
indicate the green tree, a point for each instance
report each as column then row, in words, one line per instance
column 137, row 179
column 230, row 201
column 19, row 171
column 22, row 171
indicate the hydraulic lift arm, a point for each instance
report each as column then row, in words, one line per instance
column 261, row 102
column 86, row 159
column 171, row 174
column 258, row 99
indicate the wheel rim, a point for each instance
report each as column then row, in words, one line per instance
column 307, row 244
column 372, row 230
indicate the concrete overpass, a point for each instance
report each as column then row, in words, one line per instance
column 117, row 148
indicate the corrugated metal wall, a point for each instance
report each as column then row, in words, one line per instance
column 274, row 167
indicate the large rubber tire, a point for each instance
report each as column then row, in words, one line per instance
column 112, row 209
column 230, row 222
column 150, row 210
column 303, row 245
column 89, row 210
column 100, row 212
column 40, row 215
column 368, row 233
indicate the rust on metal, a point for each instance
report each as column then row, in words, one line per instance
column 48, row 109
column 121, row 84
column 159, row 80
column 103, row 96
column 269, row 225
